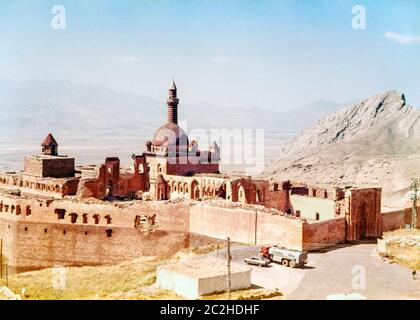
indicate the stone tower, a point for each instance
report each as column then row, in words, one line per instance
column 49, row 146
column 172, row 102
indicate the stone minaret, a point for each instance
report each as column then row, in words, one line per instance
column 172, row 102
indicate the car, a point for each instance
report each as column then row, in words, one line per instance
column 257, row 261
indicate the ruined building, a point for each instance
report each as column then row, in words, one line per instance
column 54, row 213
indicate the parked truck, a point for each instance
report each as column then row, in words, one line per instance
column 287, row 257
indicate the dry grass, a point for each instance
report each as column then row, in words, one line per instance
column 86, row 283
column 205, row 249
column 128, row 281
column 132, row 280
column 402, row 232
column 246, row 294
column 404, row 253
column 145, row 293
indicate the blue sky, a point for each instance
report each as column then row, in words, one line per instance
column 275, row 55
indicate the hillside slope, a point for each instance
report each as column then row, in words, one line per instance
column 372, row 143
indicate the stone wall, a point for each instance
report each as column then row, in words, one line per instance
column 35, row 235
column 278, row 199
column 39, row 245
column 46, row 232
column 8, row 235
column 49, row 166
column 323, row 234
column 246, row 226
column 398, row 219
column 280, row 230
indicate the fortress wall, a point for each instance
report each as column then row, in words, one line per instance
column 8, row 235
column 323, row 234
column 170, row 216
column 279, row 200
column 42, row 240
column 46, row 245
column 398, row 219
column 276, row 229
column 246, row 226
column 216, row 222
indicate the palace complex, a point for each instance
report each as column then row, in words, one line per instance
column 56, row 213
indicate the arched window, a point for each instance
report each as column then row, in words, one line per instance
column 28, row 210
column 96, row 218
column 317, row 216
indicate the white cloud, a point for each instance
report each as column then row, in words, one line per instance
column 125, row 59
column 220, row 59
column 403, row 38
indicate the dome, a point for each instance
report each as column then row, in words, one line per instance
column 170, row 134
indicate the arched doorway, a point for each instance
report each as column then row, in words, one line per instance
column 195, row 190
column 221, row 192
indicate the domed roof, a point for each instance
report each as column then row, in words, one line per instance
column 170, row 134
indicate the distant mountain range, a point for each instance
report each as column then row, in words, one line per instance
column 372, row 143
column 37, row 107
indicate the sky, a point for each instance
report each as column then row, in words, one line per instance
column 275, row 55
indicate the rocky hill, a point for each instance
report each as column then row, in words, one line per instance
column 372, row 143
